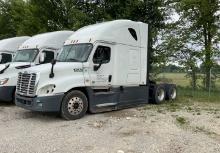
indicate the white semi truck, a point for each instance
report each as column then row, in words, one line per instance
column 101, row 67
column 8, row 47
column 37, row 50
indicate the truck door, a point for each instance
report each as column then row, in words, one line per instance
column 101, row 66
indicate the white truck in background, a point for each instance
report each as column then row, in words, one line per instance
column 8, row 48
column 101, row 67
column 37, row 50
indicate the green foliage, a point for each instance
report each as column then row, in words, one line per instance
column 206, row 22
column 181, row 121
column 8, row 17
column 195, row 36
column 30, row 17
column 199, row 95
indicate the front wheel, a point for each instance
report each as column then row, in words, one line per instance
column 74, row 105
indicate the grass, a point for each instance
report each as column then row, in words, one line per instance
column 188, row 99
column 181, row 121
column 181, row 80
column 185, row 91
column 198, row 95
column 176, row 78
column 205, row 131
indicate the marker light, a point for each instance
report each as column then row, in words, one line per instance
column 4, row 81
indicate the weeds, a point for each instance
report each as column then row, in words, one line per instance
column 181, row 121
column 198, row 95
column 205, row 131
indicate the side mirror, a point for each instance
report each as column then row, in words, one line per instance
column 0, row 58
column 42, row 57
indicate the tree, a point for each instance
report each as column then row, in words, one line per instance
column 30, row 17
column 65, row 14
column 11, row 14
column 202, row 18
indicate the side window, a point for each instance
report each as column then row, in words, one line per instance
column 6, row 58
column 102, row 55
column 133, row 33
column 49, row 56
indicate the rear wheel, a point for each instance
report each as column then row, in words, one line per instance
column 74, row 105
column 158, row 96
column 171, row 93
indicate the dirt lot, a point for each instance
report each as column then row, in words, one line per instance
column 170, row 128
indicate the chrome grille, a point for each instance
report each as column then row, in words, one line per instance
column 26, row 84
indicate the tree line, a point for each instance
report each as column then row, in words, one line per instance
column 192, row 39
column 29, row 17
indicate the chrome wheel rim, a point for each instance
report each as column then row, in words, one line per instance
column 173, row 94
column 161, row 95
column 75, row 106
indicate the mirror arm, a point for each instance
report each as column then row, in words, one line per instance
column 96, row 68
column 52, row 69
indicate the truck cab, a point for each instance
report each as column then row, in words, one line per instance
column 8, row 48
column 37, row 50
column 101, row 67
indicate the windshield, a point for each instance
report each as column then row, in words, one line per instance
column 27, row 55
column 5, row 58
column 75, row 53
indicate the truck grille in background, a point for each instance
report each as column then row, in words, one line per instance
column 26, row 84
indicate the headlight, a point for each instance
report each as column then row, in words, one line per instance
column 48, row 89
column 4, row 81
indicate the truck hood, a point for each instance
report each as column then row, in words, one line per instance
column 66, row 76
column 59, row 67
column 2, row 66
column 13, row 66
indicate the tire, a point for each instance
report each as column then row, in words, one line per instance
column 74, row 105
column 171, row 92
column 159, row 94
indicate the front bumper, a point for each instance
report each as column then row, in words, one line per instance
column 6, row 93
column 40, row 104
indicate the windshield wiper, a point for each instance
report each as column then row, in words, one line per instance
column 73, row 60
column 6, row 67
column 20, row 61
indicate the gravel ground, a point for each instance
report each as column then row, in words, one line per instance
column 149, row 129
